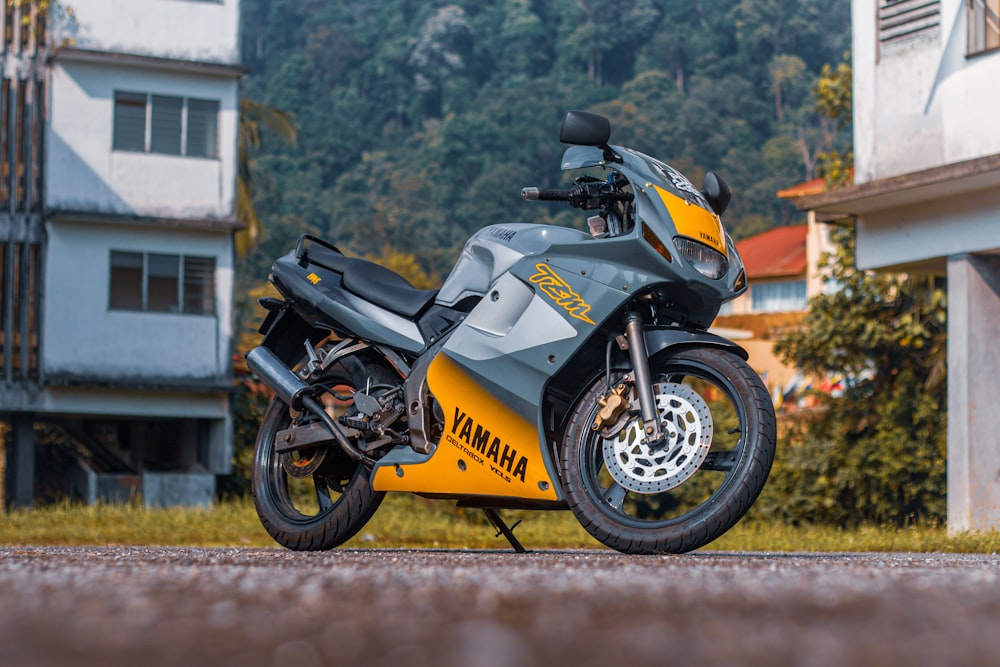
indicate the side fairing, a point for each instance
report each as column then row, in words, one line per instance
column 487, row 449
column 490, row 377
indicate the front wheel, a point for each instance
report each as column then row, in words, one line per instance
column 684, row 492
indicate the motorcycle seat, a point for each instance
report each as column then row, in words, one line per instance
column 374, row 282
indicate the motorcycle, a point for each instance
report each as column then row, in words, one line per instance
column 554, row 369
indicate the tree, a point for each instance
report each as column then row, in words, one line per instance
column 253, row 115
column 785, row 70
column 834, row 102
column 420, row 122
column 41, row 17
column 873, row 451
column 876, row 451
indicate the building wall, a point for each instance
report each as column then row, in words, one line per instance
column 202, row 30
column 159, row 380
column 920, row 103
column 83, row 338
column 923, row 233
column 93, row 177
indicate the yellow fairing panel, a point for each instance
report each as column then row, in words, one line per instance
column 487, row 449
column 693, row 221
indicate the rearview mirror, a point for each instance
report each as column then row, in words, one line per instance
column 583, row 128
column 716, row 191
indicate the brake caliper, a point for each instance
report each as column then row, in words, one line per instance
column 612, row 408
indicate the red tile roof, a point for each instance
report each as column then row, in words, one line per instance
column 813, row 187
column 778, row 252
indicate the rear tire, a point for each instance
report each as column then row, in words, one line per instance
column 321, row 510
column 648, row 512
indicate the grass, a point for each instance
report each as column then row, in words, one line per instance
column 402, row 521
column 408, row 522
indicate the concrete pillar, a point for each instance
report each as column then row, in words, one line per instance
column 19, row 472
column 973, row 391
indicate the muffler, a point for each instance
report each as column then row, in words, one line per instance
column 290, row 388
column 286, row 384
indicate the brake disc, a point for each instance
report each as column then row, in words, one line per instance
column 687, row 428
column 303, row 462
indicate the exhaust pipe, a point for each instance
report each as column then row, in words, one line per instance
column 286, row 384
column 293, row 391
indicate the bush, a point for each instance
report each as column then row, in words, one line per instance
column 874, row 453
column 248, row 403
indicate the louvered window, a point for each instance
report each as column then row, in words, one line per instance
column 166, row 124
column 983, row 20
column 202, row 128
column 157, row 282
column 199, row 285
column 902, row 20
column 130, row 122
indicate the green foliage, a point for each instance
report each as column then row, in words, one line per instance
column 833, row 91
column 420, row 122
column 248, row 402
column 254, row 115
column 833, row 95
column 875, row 453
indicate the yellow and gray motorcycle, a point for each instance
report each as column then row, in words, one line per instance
column 554, row 369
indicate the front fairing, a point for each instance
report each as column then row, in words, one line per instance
column 670, row 206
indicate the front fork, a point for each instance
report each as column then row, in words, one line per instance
column 643, row 379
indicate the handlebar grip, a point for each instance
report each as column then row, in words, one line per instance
column 555, row 194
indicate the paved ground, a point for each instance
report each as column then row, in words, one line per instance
column 172, row 606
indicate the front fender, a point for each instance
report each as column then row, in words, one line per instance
column 673, row 339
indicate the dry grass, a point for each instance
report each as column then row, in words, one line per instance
column 409, row 522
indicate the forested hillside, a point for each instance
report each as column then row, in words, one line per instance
column 420, row 121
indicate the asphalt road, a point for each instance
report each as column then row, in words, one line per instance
column 245, row 607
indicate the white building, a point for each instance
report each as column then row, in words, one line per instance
column 119, row 162
column 926, row 197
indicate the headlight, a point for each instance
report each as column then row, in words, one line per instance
column 708, row 262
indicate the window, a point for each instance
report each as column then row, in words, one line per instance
column 778, row 297
column 983, row 20
column 166, row 124
column 161, row 283
column 903, row 20
column 202, row 128
column 130, row 122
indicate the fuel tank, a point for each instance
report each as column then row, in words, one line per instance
column 493, row 250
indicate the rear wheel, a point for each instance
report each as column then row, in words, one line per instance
column 686, row 491
column 315, row 498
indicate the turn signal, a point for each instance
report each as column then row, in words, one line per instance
column 653, row 240
column 740, row 282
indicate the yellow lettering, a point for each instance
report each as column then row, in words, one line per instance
column 557, row 289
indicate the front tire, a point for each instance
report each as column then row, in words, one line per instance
column 644, row 500
column 328, row 498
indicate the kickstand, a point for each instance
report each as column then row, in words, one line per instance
column 504, row 529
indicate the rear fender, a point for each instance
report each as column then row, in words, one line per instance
column 285, row 332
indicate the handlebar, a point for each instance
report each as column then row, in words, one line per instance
column 553, row 194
